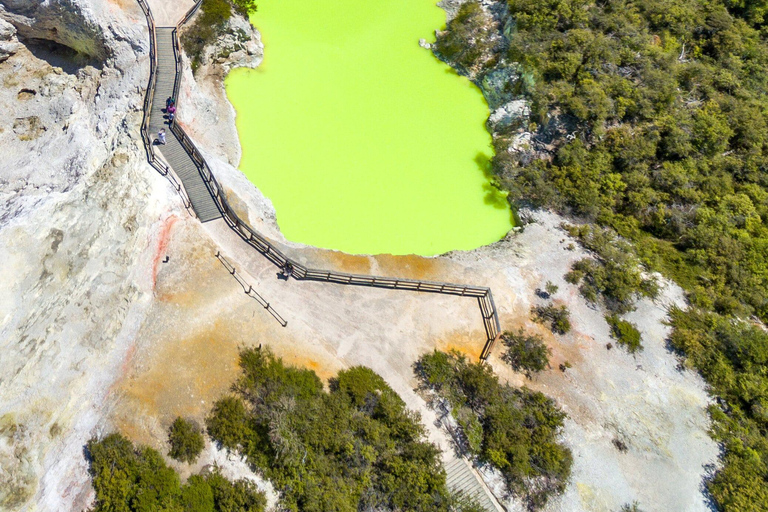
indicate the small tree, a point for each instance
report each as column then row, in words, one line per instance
column 525, row 352
column 186, row 440
column 551, row 288
column 558, row 318
column 625, row 333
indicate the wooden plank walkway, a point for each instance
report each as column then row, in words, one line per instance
column 205, row 197
column 202, row 193
column 177, row 157
column 461, row 478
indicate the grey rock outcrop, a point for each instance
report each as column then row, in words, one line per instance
column 240, row 46
column 499, row 85
column 66, row 22
column 79, row 208
column 509, row 115
column 8, row 44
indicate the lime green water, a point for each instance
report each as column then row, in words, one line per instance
column 363, row 140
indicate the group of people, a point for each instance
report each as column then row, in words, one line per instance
column 170, row 109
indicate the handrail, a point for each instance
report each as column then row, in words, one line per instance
column 248, row 289
column 291, row 267
column 160, row 166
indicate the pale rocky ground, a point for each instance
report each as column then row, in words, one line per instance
column 98, row 334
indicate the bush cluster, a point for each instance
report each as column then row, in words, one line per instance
column 355, row 447
column 625, row 333
column 210, row 24
column 525, row 352
column 186, row 440
column 136, row 478
column 557, row 317
column 653, row 117
column 515, row 430
column 615, row 275
column 469, row 39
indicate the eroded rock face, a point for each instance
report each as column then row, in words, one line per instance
column 239, row 47
column 66, row 22
column 8, row 44
column 79, row 214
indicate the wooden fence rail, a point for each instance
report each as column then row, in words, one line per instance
column 155, row 162
column 255, row 239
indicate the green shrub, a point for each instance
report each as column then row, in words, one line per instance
column 245, row 7
column 356, row 447
column 468, row 41
column 558, row 317
column 625, row 333
column 210, row 24
column 136, row 478
column 651, row 120
column 551, row 288
column 519, row 426
column 615, row 275
column 525, row 352
column 186, row 440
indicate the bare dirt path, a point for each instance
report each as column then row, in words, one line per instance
column 167, row 13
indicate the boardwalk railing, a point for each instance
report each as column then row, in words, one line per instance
column 248, row 289
column 292, row 267
column 155, row 162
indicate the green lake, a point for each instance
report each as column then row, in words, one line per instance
column 363, row 140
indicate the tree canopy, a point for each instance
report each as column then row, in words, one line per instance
column 354, row 447
column 649, row 119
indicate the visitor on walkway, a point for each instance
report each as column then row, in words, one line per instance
column 161, row 136
column 169, row 103
column 171, row 112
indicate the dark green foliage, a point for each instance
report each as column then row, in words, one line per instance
column 733, row 357
column 668, row 105
column 525, row 352
column 557, row 317
column 238, row 496
column 210, row 24
column 468, row 40
column 654, row 115
column 631, row 507
column 245, row 7
column 197, row 495
column 186, row 440
column 625, row 333
column 356, row 447
column 615, row 275
column 128, row 478
column 519, row 426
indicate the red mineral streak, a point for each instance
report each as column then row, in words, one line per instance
column 162, row 245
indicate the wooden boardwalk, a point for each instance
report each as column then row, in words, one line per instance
column 461, row 478
column 190, row 175
column 173, row 152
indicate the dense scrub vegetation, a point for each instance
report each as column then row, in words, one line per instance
column 525, row 352
column 211, row 24
column 515, row 430
column 355, row 447
column 129, row 478
column 615, row 275
column 650, row 119
column 470, row 40
column 733, row 357
column 185, row 439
